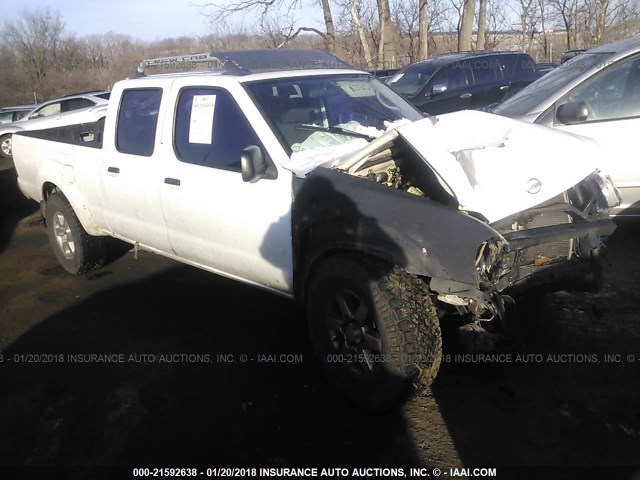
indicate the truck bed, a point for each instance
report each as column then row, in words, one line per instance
column 84, row 134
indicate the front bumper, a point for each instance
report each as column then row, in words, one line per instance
column 557, row 245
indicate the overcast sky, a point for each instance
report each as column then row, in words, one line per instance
column 144, row 19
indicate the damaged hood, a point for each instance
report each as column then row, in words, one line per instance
column 497, row 166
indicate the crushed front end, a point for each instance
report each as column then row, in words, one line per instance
column 557, row 245
column 554, row 246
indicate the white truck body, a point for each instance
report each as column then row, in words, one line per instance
column 194, row 223
column 388, row 212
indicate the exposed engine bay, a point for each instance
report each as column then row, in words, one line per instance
column 508, row 261
column 395, row 164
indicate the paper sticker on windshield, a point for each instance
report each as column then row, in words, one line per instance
column 201, row 122
column 357, row 89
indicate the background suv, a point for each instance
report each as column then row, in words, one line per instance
column 462, row 81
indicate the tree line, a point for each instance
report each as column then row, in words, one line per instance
column 41, row 59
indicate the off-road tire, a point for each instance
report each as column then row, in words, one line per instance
column 76, row 250
column 399, row 306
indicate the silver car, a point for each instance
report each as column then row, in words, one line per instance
column 595, row 94
column 13, row 114
column 84, row 107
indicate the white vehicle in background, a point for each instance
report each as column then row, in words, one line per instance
column 14, row 113
column 595, row 94
column 69, row 110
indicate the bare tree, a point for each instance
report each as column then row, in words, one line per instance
column 423, row 42
column 498, row 20
column 331, row 29
column 279, row 8
column 466, row 25
column 482, row 25
column 628, row 18
column 598, row 16
column 568, row 11
column 387, row 49
column 527, row 17
column 407, row 18
column 362, row 35
column 36, row 39
column 543, row 10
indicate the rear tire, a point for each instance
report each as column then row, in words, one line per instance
column 374, row 329
column 76, row 250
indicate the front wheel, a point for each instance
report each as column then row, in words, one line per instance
column 5, row 146
column 374, row 328
column 76, row 250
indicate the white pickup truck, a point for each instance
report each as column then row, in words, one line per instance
column 327, row 187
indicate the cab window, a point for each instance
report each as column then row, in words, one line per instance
column 211, row 130
column 138, row 121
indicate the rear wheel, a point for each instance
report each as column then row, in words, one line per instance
column 374, row 328
column 76, row 250
column 5, row 146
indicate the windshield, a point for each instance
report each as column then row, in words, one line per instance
column 527, row 99
column 311, row 112
column 410, row 80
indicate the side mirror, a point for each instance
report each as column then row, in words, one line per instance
column 438, row 88
column 253, row 164
column 572, row 112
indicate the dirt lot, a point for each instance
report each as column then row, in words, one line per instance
column 191, row 407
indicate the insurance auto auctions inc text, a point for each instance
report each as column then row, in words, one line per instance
column 377, row 472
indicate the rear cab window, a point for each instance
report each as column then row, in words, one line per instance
column 138, row 121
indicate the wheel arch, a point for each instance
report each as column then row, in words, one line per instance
column 335, row 211
column 77, row 205
column 308, row 267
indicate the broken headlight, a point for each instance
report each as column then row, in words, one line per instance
column 607, row 195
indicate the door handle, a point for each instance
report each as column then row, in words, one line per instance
column 172, row 181
column 115, row 170
column 464, row 96
column 504, row 88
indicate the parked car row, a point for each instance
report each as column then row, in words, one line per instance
column 68, row 110
column 594, row 93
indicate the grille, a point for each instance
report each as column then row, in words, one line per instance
column 563, row 248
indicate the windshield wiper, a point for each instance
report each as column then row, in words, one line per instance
column 338, row 130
